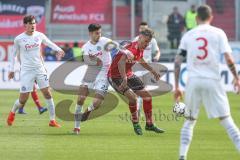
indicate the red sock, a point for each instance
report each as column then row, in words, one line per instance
column 134, row 113
column 35, row 98
column 147, row 107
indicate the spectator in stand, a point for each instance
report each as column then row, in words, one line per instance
column 190, row 18
column 77, row 52
column 175, row 26
column 68, row 53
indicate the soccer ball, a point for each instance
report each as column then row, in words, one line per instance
column 179, row 108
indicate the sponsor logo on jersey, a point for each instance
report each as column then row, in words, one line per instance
column 95, row 54
column 23, row 88
column 99, row 48
column 31, row 46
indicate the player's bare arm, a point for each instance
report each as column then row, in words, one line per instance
column 177, row 67
column 149, row 68
column 232, row 67
column 122, row 68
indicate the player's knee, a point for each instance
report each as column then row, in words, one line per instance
column 22, row 101
column 47, row 95
column 97, row 103
column 81, row 100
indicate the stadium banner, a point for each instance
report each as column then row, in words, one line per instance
column 13, row 11
column 6, row 46
column 74, row 78
column 5, row 49
column 82, row 12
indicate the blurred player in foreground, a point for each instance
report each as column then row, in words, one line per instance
column 202, row 47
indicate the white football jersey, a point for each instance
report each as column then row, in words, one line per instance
column 99, row 51
column 28, row 47
column 149, row 50
column 204, row 44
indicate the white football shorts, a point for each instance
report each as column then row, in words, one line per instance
column 28, row 78
column 211, row 93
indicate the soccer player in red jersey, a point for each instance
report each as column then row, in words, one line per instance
column 124, row 81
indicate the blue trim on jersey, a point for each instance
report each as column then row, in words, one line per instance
column 114, row 52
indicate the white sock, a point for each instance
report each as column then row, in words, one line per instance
column 78, row 111
column 139, row 103
column 232, row 130
column 91, row 107
column 51, row 108
column 16, row 106
column 186, row 137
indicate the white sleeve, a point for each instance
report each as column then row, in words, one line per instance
column 183, row 44
column 224, row 45
column 49, row 43
column 13, row 55
column 154, row 45
column 106, row 40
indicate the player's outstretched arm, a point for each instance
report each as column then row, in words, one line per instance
column 232, row 67
column 177, row 67
column 12, row 58
column 53, row 46
column 149, row 68
column 156, row 51
column 122, row 71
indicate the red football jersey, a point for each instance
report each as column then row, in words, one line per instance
column 133, row 55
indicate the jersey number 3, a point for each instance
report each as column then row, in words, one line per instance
column 203, row 48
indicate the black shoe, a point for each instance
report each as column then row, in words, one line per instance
column 154, row 128
column 42, row 110
column 137, row 129
column 85, row 116
column 182, row 158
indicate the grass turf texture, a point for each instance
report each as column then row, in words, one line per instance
column 110, row 136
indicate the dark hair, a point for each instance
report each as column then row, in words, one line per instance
column 204, row 12
column 143, row 24
column 75, row 44
column 28, row 19
column 147, row 32
column 94, row 27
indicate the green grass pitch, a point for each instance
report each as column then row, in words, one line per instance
column 111, row 136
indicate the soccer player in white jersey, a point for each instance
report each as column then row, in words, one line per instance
column 151, row 50
column 28, row 46
column 202, row 47
column 95, row 54
column 34, row 96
